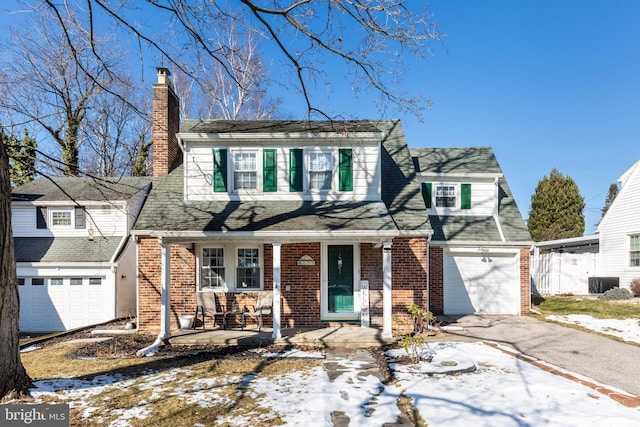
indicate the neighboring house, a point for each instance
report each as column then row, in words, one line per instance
column 328, row 215
column 619, row 231
column 76, row 263
column 566, row 266
column 479, row 252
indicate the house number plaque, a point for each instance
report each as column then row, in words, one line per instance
column 306, row 260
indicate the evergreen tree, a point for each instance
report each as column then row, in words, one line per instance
column 22, row 157
column 611, row 196
column 556, row 209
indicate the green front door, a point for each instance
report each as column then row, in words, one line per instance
column 340, row 278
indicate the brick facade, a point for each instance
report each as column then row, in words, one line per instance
column 300, row 285
column 436, row 280
column 525, row 282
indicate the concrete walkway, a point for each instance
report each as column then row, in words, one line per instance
column 602, row 359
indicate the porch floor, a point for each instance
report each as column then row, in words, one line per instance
column 345, row 337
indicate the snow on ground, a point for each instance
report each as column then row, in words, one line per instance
column 627, row 329
column 501, row 391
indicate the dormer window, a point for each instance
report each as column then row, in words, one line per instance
column 320, row 171
column 245, row 171
column 445, row 196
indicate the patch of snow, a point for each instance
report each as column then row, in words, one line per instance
column 627, row 329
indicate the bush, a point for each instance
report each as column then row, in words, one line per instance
column 635, row 286
column 616, row 294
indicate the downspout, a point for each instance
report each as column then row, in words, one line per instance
column 165, row 300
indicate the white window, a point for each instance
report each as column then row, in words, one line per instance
column 320, row 171
column 248, row 270
column 61, row 217
column 55, row 281
column 445, row 196
column 634, row 250
column 245, row 170
column 212, row 270
column 95, row 280
column 37, row 281
column 75, row 281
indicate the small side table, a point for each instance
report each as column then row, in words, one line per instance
column 232, row 313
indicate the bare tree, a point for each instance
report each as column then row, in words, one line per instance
column 113, row 133
column 371, row 39
column 232, row 91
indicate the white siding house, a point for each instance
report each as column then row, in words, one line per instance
column 74, row 257
column 620, row 231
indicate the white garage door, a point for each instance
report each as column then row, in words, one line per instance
column 481, row 284
column 48, row 305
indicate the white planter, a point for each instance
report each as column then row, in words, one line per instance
column 185, row 322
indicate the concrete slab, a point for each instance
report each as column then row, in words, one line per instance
column 345, row 337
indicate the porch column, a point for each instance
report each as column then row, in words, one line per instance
column 386, row 291
column 276, row 290
column 165, row 290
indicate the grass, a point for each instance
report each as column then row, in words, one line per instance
column 601, row 309
column 164, row 400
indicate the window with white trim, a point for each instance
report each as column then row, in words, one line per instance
column 75, row 281
column 95, row 280
column 634, row 250
column 56, row 281
column 212, row 269
column 61, row 217
column 445, row 196
column 245, row 170
column 320, row 171
column 248, row 268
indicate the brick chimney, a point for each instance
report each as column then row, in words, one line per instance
column 166, row 124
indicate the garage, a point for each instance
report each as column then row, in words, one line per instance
column 481, row 283
column 51, row 304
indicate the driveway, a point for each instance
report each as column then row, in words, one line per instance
column 602, row 359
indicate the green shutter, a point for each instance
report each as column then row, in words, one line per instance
column 269, row 170
column 345, row 167
column 219, row 170
column 465, row 196
column 427, row 191
column 295, row 169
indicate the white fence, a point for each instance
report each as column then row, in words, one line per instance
column 556, row 273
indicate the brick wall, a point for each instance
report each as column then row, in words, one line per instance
column 301, row 303
column 371, row 270
column 436, row 280
column 409, row 280
column 182, row 278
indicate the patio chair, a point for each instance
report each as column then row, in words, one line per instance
column 208, row 306
column 262, row 308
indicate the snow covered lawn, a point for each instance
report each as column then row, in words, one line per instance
column 501, row 391
column 627, row 329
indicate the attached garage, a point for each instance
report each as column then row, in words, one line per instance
column 481, row 283
column 61, row 303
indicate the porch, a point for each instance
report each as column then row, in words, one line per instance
column 340, row 337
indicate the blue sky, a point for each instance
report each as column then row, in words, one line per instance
column 547, row 84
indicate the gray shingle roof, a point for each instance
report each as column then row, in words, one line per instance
column 166, row 210
column 65, row 249
column 275, row 126
column 400, row 188
column 79, row 189
column 472, row 160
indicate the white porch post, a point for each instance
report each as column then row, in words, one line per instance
column 276, row 290
column 386, row 291
column 165, row 290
